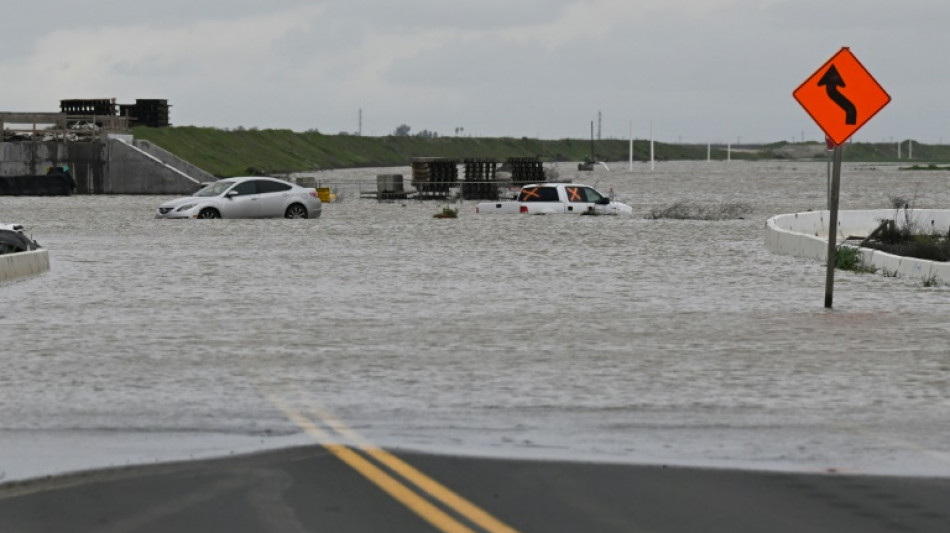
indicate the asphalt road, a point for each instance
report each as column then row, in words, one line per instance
column 323, row 489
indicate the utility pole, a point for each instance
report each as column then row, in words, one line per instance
column 631, row 145
column 652, row 153
column 359, row 131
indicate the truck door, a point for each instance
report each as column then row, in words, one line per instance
column 588, row 200
column 578, row 199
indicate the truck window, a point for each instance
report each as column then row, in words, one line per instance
column 592, row 195
column 575, row 194
column 582, row 195
column 538, row 194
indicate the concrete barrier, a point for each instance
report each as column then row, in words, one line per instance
column 806, row 235
column 23, row 264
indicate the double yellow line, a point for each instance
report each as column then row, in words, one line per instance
column 317, row 419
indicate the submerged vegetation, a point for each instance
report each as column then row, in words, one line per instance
column 892, row 239
column 447, row 212
column 903, row 235
column 849, row 258
column 686, row 210
column 931, row 166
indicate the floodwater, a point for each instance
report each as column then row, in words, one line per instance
column 585, row 338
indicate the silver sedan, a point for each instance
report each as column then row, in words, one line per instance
column 248, row 197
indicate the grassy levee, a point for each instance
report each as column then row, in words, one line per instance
column 257, row 152
column 252, row 152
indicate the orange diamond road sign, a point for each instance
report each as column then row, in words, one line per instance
column 841, row 96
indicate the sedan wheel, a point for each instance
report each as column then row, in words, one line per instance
column 209, row 213
column 296, row 211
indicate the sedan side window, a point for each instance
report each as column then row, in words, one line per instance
column 248, row 187
column 272, row 186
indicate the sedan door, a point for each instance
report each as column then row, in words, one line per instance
column 242, row 201
column 275, row 196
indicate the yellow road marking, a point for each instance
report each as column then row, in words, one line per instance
column 384, row 481
column 407, row 471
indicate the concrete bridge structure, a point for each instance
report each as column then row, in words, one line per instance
column 113, row 164
column 102, row 155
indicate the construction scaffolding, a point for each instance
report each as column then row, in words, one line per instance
column 46, row 127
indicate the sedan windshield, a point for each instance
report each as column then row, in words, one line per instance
column 215, row 189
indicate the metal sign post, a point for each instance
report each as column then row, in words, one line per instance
column 833, row 226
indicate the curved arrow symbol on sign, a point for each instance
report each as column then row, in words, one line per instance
column 832, row 81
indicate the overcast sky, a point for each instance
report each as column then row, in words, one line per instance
column 698, row 70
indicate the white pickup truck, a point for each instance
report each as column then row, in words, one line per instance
column 547, row 198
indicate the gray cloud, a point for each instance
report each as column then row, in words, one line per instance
column 700, row 70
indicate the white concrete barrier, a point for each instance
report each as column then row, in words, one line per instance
column 806, row 235
column 23, row 264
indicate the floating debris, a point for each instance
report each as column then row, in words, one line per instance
column 685, row 210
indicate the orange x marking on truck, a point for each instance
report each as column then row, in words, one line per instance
column 575, row 194
column 530, row 193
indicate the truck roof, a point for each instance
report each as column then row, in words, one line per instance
column 554, row 184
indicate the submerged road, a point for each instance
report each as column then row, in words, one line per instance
column 318, row 488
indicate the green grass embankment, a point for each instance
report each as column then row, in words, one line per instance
column 241, row 152
column 258, row 152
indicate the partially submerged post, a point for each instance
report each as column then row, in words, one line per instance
column 833, row 227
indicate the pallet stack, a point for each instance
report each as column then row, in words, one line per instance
column 479, row 182
column 151, row 113
column 144, row 112
column 525, row 170
column 432, row 177
column 102, row 107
